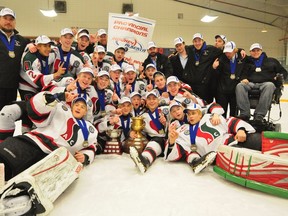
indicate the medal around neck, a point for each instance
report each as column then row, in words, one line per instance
column 232, row 76
column 197, row 63
column 85, row 144
column 258, row 69
column 11, row 54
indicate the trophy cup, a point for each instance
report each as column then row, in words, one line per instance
column 113, row 145
column 140, row 141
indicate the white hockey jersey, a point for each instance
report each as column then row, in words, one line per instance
column 57, row 127
column 208, row 137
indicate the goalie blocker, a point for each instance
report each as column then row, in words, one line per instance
column 34, row 190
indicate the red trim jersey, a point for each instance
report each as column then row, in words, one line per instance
column 208, row 136
column 57, row 127
column 32, row 78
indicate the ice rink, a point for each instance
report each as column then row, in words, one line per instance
column 113, row 186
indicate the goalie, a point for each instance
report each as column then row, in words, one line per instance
column 58, row 126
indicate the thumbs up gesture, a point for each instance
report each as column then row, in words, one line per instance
column 149, row 87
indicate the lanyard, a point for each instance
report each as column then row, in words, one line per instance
column 258, row 62
column 162, row 90
column 193, row 131
column 117, row 88
column 126, row 127
column 66, row 64
column 44, row 70
column 137, row 111
column 170, row 96
column 198, row 55
column 233, row 66
column 84, row 129
column 80, row 91
column 9, row 46
column 156, row 120
column 101, row 96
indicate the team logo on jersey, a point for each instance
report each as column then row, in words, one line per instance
column 106, row 68
column 206, row 52
column 64, row 108
column 17, row 43
column 86, row 58
column 89, row 103
column 91, row 129
column 187, row 101
column 208, row 133
column 76, row 64
column 141, row 86
column 187, row 132
column 108, row 96
column 71, row 134
column 165, row 111
column 27, row 65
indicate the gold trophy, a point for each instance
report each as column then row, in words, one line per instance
column 140, row 141
column 113, row 146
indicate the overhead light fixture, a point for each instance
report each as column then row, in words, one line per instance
column 264, row 30
column 208, row 18
column 49, row 13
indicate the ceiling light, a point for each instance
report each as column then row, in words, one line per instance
column 49, row 13
column 208, row 18
column 264, row 30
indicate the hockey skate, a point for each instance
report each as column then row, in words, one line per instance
column 201, row 163
column 140, row 161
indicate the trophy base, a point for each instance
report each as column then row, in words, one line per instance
column 139, row 143
column 113, row 147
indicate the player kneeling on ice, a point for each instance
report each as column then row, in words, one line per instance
column 61, row 131
column 197, row 141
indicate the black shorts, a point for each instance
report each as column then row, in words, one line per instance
column 19, row 153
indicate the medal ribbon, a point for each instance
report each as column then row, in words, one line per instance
column 66, row 64
column 126, row 127
column 101, row 96
column 156, row 120
column 9, row 46
column 193, row 131
column 117, row 88
column 80, row 92
column 44, row 70
column 198, row 55
column 162, row 90
column 233, row 66
column 258, row 62
column 84, row 129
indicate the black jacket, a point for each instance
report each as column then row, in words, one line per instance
column 225, row 83
column 10, row 67
column 201, row 74
column 270, row 67
column 163, row 64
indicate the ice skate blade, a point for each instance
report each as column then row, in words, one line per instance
column 135, row 157
column 209, row 159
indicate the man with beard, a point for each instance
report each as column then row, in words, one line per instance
column 161, row 61
column 12, row 46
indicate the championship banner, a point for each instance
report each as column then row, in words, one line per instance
column 132, row 32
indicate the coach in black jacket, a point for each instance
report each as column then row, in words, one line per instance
column 200, row 74
column 161, row 61
column 12, row 46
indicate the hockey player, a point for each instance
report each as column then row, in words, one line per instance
column 98, row 59
column 137, row 103
column 73, row 61
column 81, row 87
column 57, row 125
column 155, row 126
column 197, row 141
column 132, row 83
column 115, row 74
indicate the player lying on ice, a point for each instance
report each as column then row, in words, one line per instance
column 197, row 141
column 58, row 125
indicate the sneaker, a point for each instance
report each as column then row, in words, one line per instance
column 140, row 161
column 201, row 163
column 258, row 118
